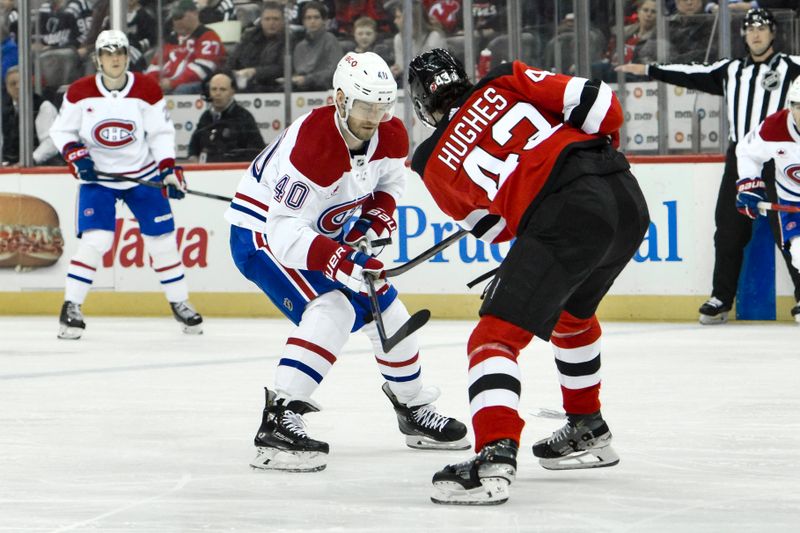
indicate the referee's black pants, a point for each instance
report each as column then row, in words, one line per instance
column 734, row 231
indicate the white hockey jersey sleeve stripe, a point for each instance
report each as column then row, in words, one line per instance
column 572, row 96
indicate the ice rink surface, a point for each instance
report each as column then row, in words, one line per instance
column 137, row 427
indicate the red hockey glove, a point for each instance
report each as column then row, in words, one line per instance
column 172, row 177
column 80, row 163
column 376, row 225
column 349, row 266
column 750, row 192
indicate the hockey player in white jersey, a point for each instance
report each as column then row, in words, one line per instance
column 777, row 138
column 117, row 121
column 288, row 236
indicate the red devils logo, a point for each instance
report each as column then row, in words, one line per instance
column 114, row 133
column 333, row 219
column 793, row 173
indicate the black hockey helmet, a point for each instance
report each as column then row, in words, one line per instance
column 758, row 17
column 436, row 79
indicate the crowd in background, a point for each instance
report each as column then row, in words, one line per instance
column 246, row 40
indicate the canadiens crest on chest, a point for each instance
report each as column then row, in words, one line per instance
column 333, row 218
column 114, row 133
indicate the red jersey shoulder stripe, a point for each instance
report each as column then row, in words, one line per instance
column 775, row 128
column 85, row 87
column 145, row 88
column 319, row 152
column 392, row 140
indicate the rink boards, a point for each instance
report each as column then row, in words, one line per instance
column 667, row 279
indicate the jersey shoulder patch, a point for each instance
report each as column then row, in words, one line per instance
column 145, row 88
column 392, row 140
column 319, row 152
column 775, row 127
column 85, row 87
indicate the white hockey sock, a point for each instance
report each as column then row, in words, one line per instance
column 400, row 367
column 314, row 345
column 84, row 264
column 167, row 265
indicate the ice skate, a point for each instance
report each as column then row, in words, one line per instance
column 282, row 441
column 714, row 312
column 584, row 442
column 796, row 312
column 70, row 323
column 482, row 480
column 424, row 428
column 190, row 320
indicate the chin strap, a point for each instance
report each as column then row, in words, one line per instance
column 342, row 122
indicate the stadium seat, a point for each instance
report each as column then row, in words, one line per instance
column 58, row 67
column 229, row 31
column 248, row 14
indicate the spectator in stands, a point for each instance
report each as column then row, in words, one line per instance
column 640, row 40
column 81, row 10
column 191, row 52
column 349, row 11
column 427, row 32
column 141, row 32
column 446, row 12
column 257, row 62
column 8, row 48
column 9, row 9
column 689, row 33
column 315, row 57
column 365, row 33
column 565, row 39
column 57, row 27
column 216, row 10
column 45, row 152
column 226, row 131
column 296, row 14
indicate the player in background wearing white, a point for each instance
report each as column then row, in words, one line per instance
column 777, row 138
column 118, row 120
column 288, row 237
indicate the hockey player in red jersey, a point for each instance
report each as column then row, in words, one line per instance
column 288, row 236
column 118, row 120
column 528, row 154
column 777, row 139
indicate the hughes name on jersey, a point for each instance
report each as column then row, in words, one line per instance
column 303, row 188
column 777, row 138
column 486, row 164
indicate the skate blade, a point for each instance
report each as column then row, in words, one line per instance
column 421, row 442
column 593, row 458
column 493, row 491
column 707, row 320
column 275, row 459
column 71, row 333
column 197, row 329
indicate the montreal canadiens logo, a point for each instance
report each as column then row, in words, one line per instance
column 333, row 218
column 114, row 133
column 793, row 173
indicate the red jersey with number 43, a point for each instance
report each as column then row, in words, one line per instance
column 507, row 139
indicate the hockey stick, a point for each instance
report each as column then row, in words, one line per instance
column 427, row 254
column 417, row 320
column 160, row 185
column 769, row 206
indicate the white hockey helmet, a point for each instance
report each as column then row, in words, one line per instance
column 110, row 40
column 365, row 78
column 794, row 91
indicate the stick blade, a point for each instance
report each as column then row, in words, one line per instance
column 417, row 320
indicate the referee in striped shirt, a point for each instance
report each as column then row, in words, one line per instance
column 753, row 86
